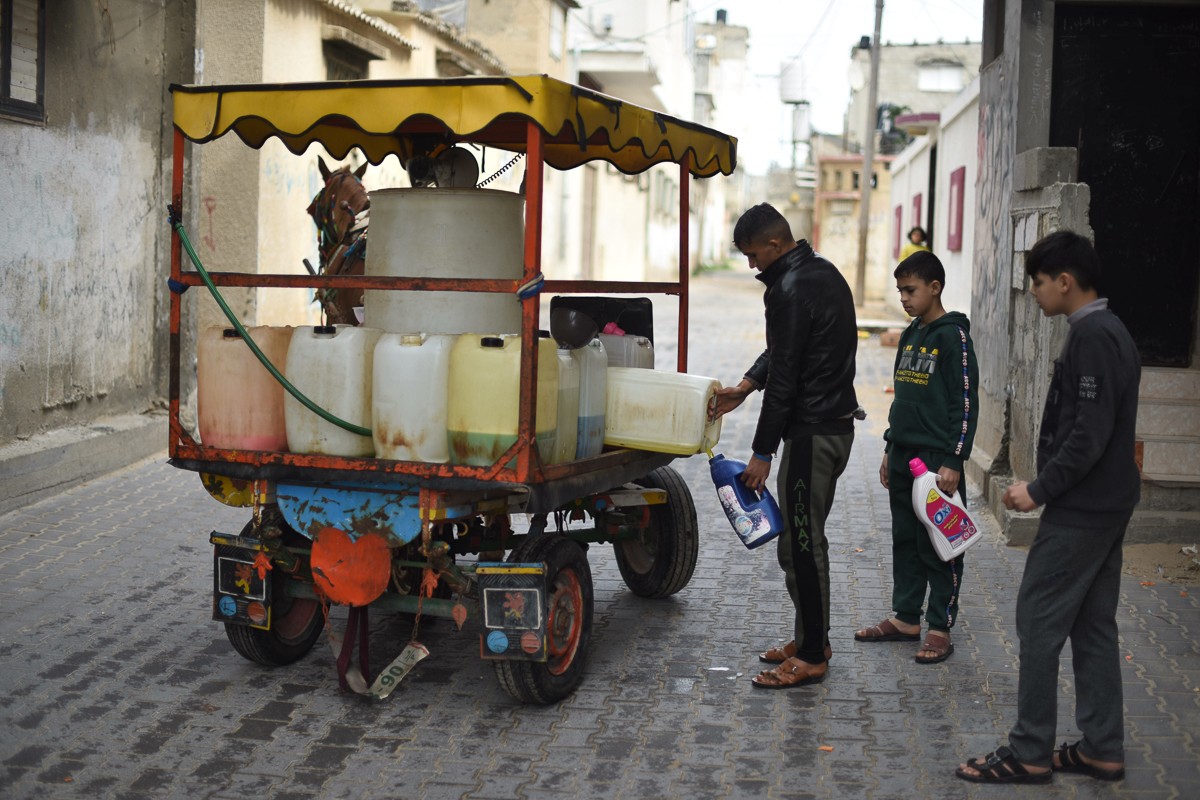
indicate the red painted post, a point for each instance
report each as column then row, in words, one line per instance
column 684, row 260
column 173, row 425
column 530, row 309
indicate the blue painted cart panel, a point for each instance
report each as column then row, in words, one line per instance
column 353, row 508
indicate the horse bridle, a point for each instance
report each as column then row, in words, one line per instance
column 325, row 203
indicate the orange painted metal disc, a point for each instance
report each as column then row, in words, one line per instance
column 350, row 572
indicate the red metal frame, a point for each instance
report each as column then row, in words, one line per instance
column 528, row 468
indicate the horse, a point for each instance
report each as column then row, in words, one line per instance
column 340, row 212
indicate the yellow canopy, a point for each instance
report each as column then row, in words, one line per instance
column 422, row 116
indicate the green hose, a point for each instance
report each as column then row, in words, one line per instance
column 292, row 390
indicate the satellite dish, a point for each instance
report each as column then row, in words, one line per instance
column 456, row 169
column 856, row 78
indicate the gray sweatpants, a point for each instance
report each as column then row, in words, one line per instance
column 1071, row 585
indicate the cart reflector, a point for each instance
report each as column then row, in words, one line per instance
column 512, row 599
column 240, row 595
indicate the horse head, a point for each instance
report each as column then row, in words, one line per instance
column 338, row 212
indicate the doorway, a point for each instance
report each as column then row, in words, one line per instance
column 1125, row 94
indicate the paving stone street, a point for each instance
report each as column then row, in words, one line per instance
column 117, row 684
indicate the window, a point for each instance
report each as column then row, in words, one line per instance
column 22, row 49
column 874, row 181
column 940, row 76
column 916, row 217
column 954, row 228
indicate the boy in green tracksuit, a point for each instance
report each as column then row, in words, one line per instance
column 932, row 418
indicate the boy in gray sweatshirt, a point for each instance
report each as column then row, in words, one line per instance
column 1088, row 483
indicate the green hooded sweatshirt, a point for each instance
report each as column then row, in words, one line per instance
column 936, row 383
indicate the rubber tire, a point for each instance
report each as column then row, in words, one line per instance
column 665, row 562
column 534, row 682
column 294, row 630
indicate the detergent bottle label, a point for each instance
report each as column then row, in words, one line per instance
column 749, row 524
column 954, row 525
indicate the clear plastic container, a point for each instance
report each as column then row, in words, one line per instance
column 331, row 366
column 624, row 350
column 567, row 430
column 593, row 395
column 665, row 412
column 239, row 404
column 408, row 398
column 485, row 394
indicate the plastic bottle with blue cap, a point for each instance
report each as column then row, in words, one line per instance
column 755, row 517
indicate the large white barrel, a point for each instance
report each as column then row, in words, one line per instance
column 445, row 233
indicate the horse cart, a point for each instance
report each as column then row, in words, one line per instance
column 398, row 535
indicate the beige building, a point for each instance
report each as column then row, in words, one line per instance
column 633, row 50
column 720, row 102
column 918, row 78
column 251, row 204
column 836, row 218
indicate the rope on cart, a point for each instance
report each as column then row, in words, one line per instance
column 176, row 222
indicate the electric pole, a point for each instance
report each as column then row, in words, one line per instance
column 868, row 167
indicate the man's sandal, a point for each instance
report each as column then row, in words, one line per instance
column 940, row 646
column 1069, row 760
column 789, row 674
column 885, row 631
column 1001, row 766
column 778, row 655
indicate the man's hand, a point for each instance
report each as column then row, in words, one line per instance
column 757, row 471
column 729, row 398
column 947, row 480
column 1016, row 497
column 883, row 472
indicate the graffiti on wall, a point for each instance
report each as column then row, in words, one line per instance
column 992, row 262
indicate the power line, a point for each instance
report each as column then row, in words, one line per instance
column 811, row 36
column 578, row 13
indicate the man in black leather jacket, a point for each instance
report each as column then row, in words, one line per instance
column 807, row 377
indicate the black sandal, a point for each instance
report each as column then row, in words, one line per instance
column 1002, row 766
column 1069, row 760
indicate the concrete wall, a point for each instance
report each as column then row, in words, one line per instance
column 84, row 247
column 224, row 207
column 910, row 177
column 82, row 307
column 1026, row 190
column 958, row 146
column 992, row 267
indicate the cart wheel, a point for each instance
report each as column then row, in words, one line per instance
column 296, row 625
column 568, row 623
column 662, row 560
